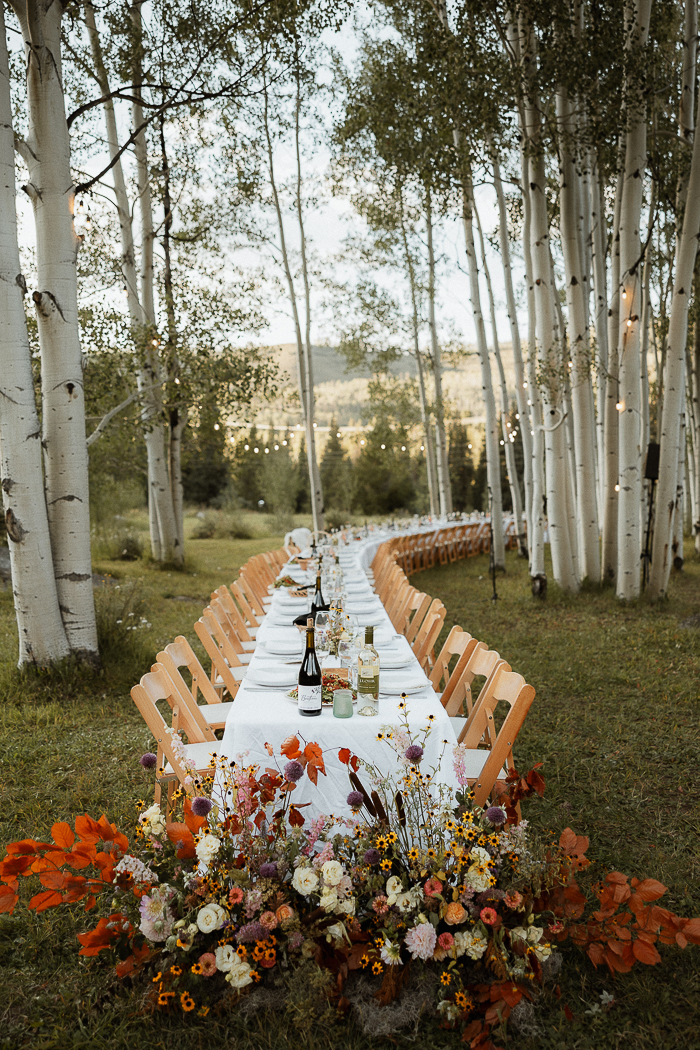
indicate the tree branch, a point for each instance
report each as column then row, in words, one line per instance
column 106, row 420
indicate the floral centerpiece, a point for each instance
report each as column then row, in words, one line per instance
column 239, row 887
column 330, row 682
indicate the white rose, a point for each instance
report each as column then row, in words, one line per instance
column 336, row 932
column 329, row 899
column 534, row 934
column 332, row 872
column 225, row 957
column 344, row 887
column 479, row 855
column 207, row 848
column 518, row 934
column 305, row 881
column 477, row 879
column 211, row 917
column 345, row 907
column 394, row 885
column 153, row 820
column 239, row 974
column 403, row 900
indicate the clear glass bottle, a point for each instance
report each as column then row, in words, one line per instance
column 368, row 676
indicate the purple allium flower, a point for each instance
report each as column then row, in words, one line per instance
column 294, row 771
column 268, row 870
column 253, row 931
column 201, row 806
column 495, row 815
column 355, row 799
column 372, row 856
column 148, row 760
column 414, row 752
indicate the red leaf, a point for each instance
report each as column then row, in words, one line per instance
column 88, row 829
column 645, row 952
column 133, row 961
column 567, row 840
column 13, row 866
column 181, row 836
column 8, row 899
column 295, row 817
column 344, row 755
column 108, row 930
column 312, row 773
column 193, row 822
column 54, row 880
column 63, row 834
column 568, row 1013
column 314, row 756
column 25, row 846
column 45, row 899
column 596, row 954
column 691, row 930
column 649, row 890
column 290, row 747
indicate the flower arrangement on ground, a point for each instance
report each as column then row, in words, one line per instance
column 240, row 886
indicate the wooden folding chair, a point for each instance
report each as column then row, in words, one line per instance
column 424, row 644
column 397, row 600
column 481, row 663
column 200, row 747
column 418, row 604
column 179, row 654
column 458, row 647
column 227, row 672
column 252, row 591
column 250, row 617
column 227, row 615
column 507, row 687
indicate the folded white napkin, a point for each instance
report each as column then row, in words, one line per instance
column 273, row 676
column 397, row 682
column 283, row 646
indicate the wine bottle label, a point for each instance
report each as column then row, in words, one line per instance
column 310, row 697
column 368, row 685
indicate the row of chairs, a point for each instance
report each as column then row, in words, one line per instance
column 177, row 681
column 423, row 550
column 490, row 721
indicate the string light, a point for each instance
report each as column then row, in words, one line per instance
column 629, row 323
column 624, row 294
column 620, row 406
column 266, row 451
column 256, row 450
column 362, row 442
column 524, row 386
column 246, row 447
column 422, row 448
column 276, row 448
column 177, row 383
column 529, row 402
column 517, row 416
column 617, row 488
column 216, row 426
column 469, row 446
column 284, row 442
column 315, row 425
column 403, row 448
column 383, row 446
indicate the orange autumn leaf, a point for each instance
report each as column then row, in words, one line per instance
column 181, row 837
column 46, row 899
column 108, row 929
column 63, row 834
column 290, row 747
column 648, row 890
column 133, row 961
column 295, row 817
column 8, row 899
column 87, row 829
column 193, row 822
column 28, row 846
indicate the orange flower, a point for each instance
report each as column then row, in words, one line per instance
column 455, row 914
column 284, row 912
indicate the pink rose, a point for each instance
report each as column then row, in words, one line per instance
column 432, row 887
column 208, row 964
column 513, row 900
column 268, row 919
column 446, row 941
column 489, row 916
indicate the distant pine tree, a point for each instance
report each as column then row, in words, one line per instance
column 336, row 474
column 246, row 472
column 461, row 464
column 205, row 465
column 303, row 493
column 384, row 479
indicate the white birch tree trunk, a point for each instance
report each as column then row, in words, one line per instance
column 520, row 398
column 583, row 422
column 629, row 533
column 42, row 636
column 694, row 425
column 611, row 416
column 599, row 237
column 674, row 387
column 511, row 469
column 51, row 190
column 493, row 466
column 443, row 471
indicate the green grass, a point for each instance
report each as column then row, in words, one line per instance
column 615, row 722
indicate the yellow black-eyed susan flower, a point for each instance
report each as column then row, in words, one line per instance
column 463, row 1001
column 377, row 968
column 445, row 979
column 157, row 977
column 196, row 968
column 364, row 961
column 385, row 865
column 187, row 1002
column 392, row 837
column 413, row 854
column 176, row 970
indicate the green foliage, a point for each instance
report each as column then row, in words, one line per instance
column 336, row 474
column 205, row 464
column 461, row 464
column 384, row 476
column 246, row 470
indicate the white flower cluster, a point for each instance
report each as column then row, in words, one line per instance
column 211, row 917
column 403, row 899
column 153, row 822
column 334, row 886
column 180, row 751
column 478, row 877
column 139, row 871
column 533, row 936
column 470, row 942
column 207, row 848
column 237, row 970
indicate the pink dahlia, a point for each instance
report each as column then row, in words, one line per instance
column 514, row 899
column 446, row 941
column 489, row 916
column 421, row 941
column 235, row 895
column 269, row 920
column 208, row 964
column 432, row 887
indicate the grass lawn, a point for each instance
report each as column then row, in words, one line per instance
column 615, row 722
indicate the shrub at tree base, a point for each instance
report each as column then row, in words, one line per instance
column 417, row 885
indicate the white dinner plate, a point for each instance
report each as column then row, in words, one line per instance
column 275, row 677
column 281, row 647
column 397, row 682
column 389, row 661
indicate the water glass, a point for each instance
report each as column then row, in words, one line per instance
column 342, row 703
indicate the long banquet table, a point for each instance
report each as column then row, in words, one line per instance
column 264, row 714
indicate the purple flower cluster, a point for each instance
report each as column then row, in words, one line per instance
column 201, row 806
column 268, row 870
column 253, row 931
column 414, row 752
column 355, row 799
column 148, row 760
column 294, row 771
column 495, row 815
column 372, row 856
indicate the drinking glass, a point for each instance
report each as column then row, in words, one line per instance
column 323, row 637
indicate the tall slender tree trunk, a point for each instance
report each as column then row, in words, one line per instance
column 549, row 352
column 493, row 465
column 51, row 190
column 520, row 390
column 599, row 237
column 511, row 468
column 694, row 422
column 42, row 635
column 669, row 492
column 443, row 472
column 424, row 410
column 629, row 536
column 317, row 508
column 583, row 423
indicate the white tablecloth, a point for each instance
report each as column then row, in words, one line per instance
column 259, row 717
